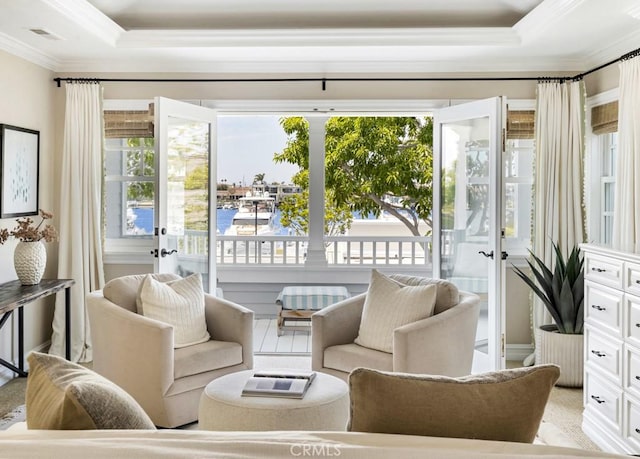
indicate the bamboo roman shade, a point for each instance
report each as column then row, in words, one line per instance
column 521, row 124
column 128, row 123
column 604, row 118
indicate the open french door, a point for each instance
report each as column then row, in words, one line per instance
column 185, row 220
column 468, row 217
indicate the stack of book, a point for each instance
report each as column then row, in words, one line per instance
column 279, row 383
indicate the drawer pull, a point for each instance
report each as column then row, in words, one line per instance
column 638, row 378
column 637, row 430
column 598, row 353
column 598, row 308
column 597, row 399
column 637, row 281
column 638, row 325
column 598, row 270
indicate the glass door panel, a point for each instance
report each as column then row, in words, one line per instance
column 186, row 218
column 467, row 159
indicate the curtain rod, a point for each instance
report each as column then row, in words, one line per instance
column 324, row 80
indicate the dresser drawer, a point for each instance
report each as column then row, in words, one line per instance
column 631, row 422
column 604, row 399
column 604, row 353
column 603, row 305
column 604, row 270
column 632, row 278
column 631, row 317
column 631, row 369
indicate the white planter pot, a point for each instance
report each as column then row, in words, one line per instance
column 564, row 350
column 29, row 260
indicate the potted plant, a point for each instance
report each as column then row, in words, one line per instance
column 561, row 290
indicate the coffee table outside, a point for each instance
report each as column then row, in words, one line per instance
column 325, row 406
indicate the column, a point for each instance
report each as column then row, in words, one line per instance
column 316, row 255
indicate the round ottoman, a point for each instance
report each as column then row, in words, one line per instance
column 325, row 406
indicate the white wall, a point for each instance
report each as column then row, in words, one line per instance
column 27, row 95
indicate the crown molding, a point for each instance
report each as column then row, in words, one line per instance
column 476, row 36
column 28, row 53
column 618, row 48
column 278, row 65
column 85, row 15
column 544, row 16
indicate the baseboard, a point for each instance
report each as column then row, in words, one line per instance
column 518, row 351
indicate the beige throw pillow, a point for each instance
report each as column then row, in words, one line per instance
column 388, row 305
column 504, row 405
column 179, row 303
column 62, row 395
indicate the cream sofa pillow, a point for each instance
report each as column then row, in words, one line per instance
column 179, row 303
column 388, row 305
column 62, row 395
column 504, row 405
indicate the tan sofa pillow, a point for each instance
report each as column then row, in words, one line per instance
column 388, row 305
column 504, row 405
column 62, row 395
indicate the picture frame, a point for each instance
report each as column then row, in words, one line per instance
column 19, row 171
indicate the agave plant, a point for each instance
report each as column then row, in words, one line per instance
column 561, row 291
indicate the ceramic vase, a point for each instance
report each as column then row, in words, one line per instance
column 30, row 259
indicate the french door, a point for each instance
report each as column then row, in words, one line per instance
column 186, row 210
column 468, row 152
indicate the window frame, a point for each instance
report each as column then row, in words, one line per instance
column 594, row 180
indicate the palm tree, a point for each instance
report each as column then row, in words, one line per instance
column 259, row 178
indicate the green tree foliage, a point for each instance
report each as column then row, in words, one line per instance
column 259, row 178
column 373, row 164
column 140, row 162
column 198, row 178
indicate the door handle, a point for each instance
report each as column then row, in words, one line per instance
column 488, row 255
column 164, row 252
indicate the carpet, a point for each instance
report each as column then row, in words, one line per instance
column 16, row 415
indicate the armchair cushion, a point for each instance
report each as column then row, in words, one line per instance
column 62, row 395
column 347, row 357
column 390, row 304
column 179, row 303
column 208, row 356
column 504, row 405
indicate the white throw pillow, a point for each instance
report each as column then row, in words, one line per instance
column 179, row 303
column 389, row 305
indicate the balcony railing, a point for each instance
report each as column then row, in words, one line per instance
column 291, row 250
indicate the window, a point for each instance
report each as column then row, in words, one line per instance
column 518, row 180
column 601, row 167
column 607, row 152
column 130, row 188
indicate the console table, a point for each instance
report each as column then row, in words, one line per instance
column 14, row 295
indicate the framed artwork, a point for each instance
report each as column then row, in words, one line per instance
column 19, row 169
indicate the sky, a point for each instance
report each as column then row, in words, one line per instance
column 246, row 145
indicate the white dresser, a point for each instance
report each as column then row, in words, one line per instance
column 612, row 349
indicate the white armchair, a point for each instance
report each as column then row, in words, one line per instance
column 137, row 353
column 442, row 344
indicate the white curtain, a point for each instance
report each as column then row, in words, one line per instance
column 626, row 215
column 558, row 215
column 80, row 247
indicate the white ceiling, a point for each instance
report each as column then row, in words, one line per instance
column 320, row 37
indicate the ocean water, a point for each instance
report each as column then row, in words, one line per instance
column 144, row 220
